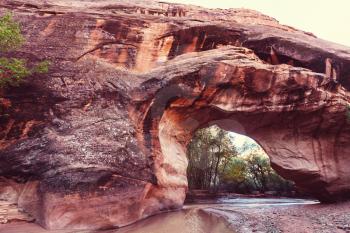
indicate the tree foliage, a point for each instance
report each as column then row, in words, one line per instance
column 215, row 163
column 10, row 34
column 208, row 153
column 236, row 171
column 13, row 70
column 253, row 172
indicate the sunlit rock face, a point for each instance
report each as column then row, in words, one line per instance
column 100, row 141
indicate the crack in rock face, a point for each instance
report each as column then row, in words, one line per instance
column 100, row 141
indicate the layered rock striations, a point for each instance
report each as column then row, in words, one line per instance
column 100, row 141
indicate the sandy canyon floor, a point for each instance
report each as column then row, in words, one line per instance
column 229, row 215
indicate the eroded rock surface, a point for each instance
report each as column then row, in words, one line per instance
column 100, row 141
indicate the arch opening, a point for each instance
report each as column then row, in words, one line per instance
column 223, row 163
column 290, row 153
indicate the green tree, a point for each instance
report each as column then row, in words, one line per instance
column 253, row 172
column 215, row 163
column 236, row 171
column 223, row 150
column 260, row 170
column 209, row 153
column 200, row 160
column 13, row 70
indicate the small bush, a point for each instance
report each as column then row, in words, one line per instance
column 12, row 70
column 42, row 67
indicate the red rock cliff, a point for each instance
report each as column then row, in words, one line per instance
column 101, row 140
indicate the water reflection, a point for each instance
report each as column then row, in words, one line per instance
column 198, row 218
column 191, row 220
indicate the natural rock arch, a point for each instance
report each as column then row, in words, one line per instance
column 100, row 140
column 285, row 109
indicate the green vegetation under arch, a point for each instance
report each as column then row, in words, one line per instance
column 216, row 164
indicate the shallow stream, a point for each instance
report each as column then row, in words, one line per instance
column 198, row 218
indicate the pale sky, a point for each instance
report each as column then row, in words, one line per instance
column 328, row 20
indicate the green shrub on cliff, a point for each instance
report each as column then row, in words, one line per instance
column 10, row 34
column 348, row 113
column 13, row 70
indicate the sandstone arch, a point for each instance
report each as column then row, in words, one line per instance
column 95, row 138
column 273, row 104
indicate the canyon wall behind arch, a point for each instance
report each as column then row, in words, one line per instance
column 100, row 141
